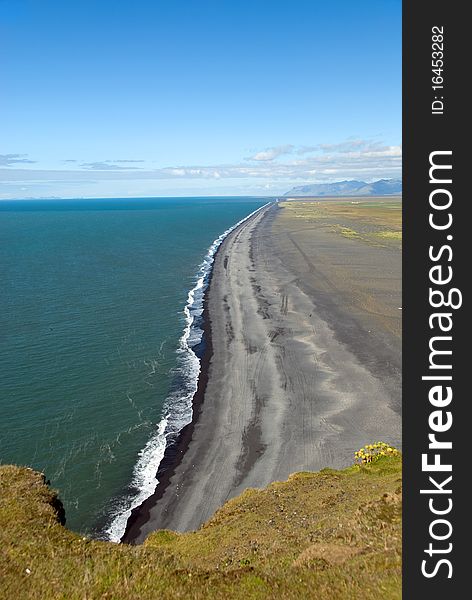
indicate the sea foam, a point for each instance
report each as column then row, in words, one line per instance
column 177, row 411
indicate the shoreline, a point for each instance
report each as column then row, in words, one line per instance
column 285, row 385
column 175, row 452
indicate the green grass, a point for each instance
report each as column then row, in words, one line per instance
column 326, row 535
column 373, row 223
column 347, row 232
column 393, row 235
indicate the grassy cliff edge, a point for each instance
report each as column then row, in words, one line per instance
column 329, row 535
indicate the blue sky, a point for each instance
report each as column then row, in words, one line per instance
column 188, row 97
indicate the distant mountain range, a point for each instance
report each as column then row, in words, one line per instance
column 382, row 187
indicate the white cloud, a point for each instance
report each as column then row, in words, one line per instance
column 352, row 159
column 106, row 166
column 7, row 160
column 270, row 154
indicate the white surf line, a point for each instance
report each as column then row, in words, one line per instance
column 177, row 408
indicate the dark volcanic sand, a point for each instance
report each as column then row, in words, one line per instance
column 305, row 367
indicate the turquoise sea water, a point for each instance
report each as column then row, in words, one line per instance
column 92, row 316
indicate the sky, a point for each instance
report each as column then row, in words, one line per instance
column 196, row 97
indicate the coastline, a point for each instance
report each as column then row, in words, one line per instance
column 270, row 399
column 175, row 451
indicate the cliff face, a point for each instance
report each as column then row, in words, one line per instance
column 331, row 534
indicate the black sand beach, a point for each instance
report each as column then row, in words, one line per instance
column 302, row 366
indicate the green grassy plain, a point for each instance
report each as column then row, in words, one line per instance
column 325, row 535
column 376, row 221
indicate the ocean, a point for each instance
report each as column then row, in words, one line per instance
column 99, row 337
